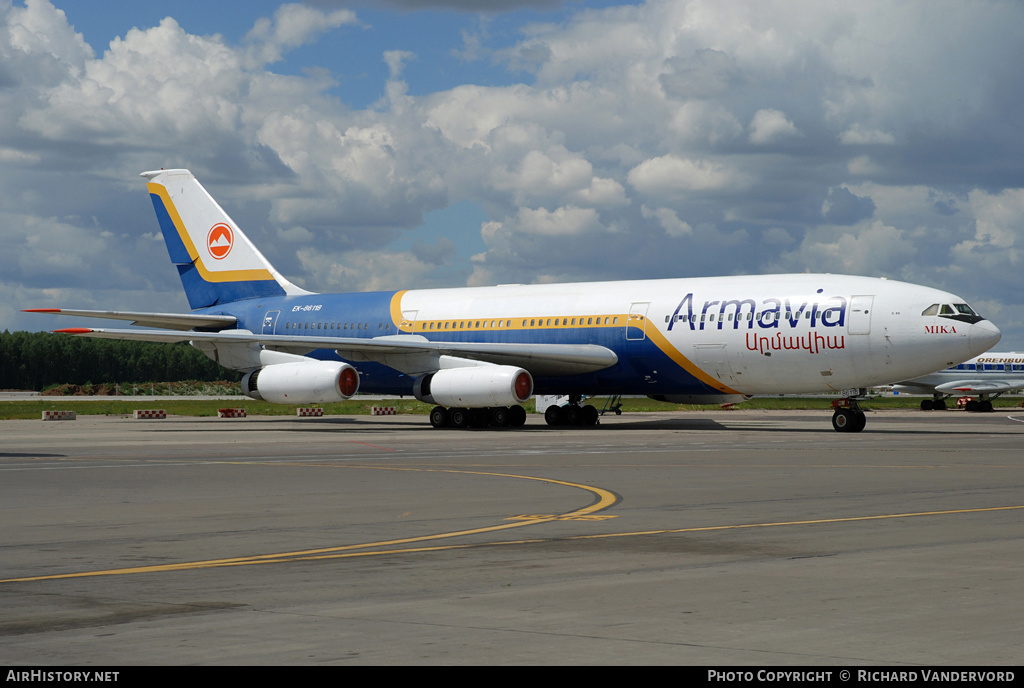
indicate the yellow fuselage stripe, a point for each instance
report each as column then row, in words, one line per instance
column 520, row 323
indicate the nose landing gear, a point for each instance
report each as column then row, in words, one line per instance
column 848, row 416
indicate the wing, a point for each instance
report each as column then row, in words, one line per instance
column 411, row 354
column 980, row 386
column 174, row 321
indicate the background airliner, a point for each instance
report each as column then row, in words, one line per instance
column 477, row 353
column 988, row 376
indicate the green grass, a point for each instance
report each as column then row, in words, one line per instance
column 10, row 410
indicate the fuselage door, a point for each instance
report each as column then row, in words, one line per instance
column 713, row 359
column 860, row 314
column 636, row 324
column 270, row 322
column 408, row 323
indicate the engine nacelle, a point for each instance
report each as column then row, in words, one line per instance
column 312, row 382
column 475, row 387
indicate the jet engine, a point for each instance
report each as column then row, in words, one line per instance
column 475, row 387
column 302, row 382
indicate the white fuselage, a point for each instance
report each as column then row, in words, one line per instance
column 747, row 334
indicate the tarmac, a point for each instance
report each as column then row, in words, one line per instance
column 723, row 538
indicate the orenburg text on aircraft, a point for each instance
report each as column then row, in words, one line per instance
column 989, row 376
column 477, row 353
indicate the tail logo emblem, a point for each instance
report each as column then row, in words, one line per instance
column 219, row 241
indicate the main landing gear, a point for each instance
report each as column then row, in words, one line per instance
column 572, row 413
column 983, row 404
column 496, row 417
column 980, row 405
column 848, row 416
column 936, row 403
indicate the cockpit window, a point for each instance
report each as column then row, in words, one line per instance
column 931, row 310
column 959, row 311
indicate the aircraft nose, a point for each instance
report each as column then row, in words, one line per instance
column 983, row 337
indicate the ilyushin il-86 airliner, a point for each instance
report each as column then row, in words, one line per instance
column 477, row 353
column 989, row 376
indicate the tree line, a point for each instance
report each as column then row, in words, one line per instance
column 37, row 360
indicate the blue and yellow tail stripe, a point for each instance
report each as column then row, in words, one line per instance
column 162, row 201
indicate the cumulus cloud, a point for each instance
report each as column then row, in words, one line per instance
column 859, row 136
column 669, row 174
column 669, row 221
column 293, row 25
column 684, row 137
column 705, row 73
column 842, row 207
column 871, row 249
column 769, row 126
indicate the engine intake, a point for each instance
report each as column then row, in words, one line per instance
column 475, row 387
column 315, row 382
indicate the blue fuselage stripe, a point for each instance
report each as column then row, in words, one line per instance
column 642, row 367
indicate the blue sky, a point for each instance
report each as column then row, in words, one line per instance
column 411, row 143
column 433, row 32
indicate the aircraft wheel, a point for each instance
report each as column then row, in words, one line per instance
column 971, row 406
column 459, row 417
column 573, row 414
column 841, row 420
column 589, row 415
column 554, row 416
column 858, row 422
column 939, row 405
column 927, row 404
column 516, row 416
column 985, row 406
column 439, row 416
column 500, row 417
column 479, row 417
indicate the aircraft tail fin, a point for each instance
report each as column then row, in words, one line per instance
column 216, row 261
